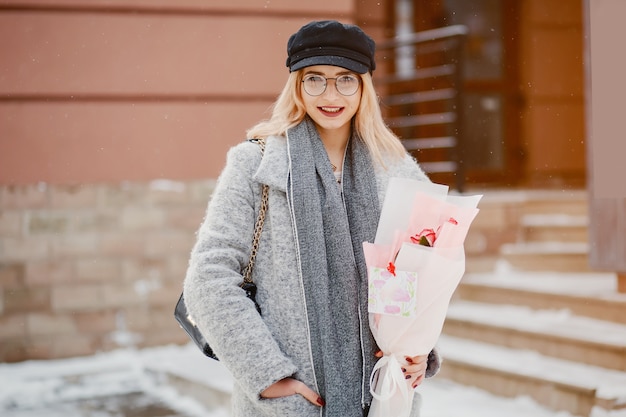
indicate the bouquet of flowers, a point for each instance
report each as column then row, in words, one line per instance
column 414, row 266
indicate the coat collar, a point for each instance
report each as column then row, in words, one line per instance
column 274, row 167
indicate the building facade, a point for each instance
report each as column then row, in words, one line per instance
column 115, row 117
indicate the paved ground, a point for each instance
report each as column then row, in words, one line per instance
column 114, row 384
column 135, row 404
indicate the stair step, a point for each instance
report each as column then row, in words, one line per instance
column 555, row 383
column 555, row 333
column 547, row 256
column 571, row 202
column 584, row 294
column 445, row 398
column 480, row 264
column 554, row 228
column 559, row 219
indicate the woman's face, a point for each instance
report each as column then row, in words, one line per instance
column 331, row 110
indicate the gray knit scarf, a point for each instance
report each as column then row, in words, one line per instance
column 331, row 229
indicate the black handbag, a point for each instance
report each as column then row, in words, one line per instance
column 180, row 312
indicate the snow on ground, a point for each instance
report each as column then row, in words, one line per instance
column 53, row 388
column 57, row 387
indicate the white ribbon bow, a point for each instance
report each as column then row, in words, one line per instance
column 388, row 386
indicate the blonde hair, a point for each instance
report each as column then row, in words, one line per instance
column 289, row 110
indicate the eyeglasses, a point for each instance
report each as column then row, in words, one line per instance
column 346, row 85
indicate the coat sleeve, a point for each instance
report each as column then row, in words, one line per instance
column 434, row 363
column 411, row 169
column 406, row 167
column 223, row 313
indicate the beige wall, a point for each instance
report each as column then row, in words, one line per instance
column 132, row 90
column 607, row 145
column 608, row 90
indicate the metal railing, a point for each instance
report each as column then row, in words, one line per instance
column 422, row 96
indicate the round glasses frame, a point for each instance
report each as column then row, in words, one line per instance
column 346, row 85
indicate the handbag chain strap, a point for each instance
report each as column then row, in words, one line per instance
column 258, row 226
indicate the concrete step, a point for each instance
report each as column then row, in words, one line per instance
column 554, row 333
column 541, row 202
column 591, row 295
column 528, row 201
column 558, row 384
column 554, row 228
column 531, row 229
column 444, row 398
column 480, row 264
column 547, row 256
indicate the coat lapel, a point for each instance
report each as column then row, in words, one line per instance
column 274, row 167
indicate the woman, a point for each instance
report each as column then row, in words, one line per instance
column 327, row 162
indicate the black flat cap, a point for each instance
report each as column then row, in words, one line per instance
column 330, row 42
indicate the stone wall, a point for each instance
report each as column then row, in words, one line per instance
column 94, row 267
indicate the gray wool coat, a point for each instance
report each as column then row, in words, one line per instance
column 260, row 350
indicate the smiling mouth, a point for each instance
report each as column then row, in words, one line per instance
column 331, row 110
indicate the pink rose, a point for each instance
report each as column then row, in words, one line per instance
column 426, row 237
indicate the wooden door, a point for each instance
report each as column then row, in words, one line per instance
column 491, row 103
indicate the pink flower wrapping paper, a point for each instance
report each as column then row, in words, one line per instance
column 418, row 252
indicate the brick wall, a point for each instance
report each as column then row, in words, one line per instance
column 95, row 267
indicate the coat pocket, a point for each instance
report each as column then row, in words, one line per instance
column 292, row 405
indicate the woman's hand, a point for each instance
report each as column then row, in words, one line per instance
column 414, row 369
column 289, row 386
